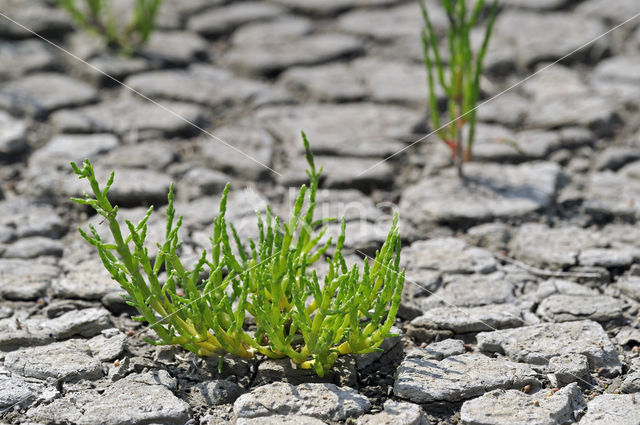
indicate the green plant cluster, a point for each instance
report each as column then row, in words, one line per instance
column 298, row 314
column 98, row 17
column 460, row 80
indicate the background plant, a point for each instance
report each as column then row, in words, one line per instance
column 311, row 320
column 460, row 80
column 98, row 17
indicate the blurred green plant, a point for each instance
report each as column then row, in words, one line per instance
column 298, row 315
column 98, row 17
column 460, row 80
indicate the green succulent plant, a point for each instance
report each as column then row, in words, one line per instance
column 310, row 319
column 460, row 78
column 98, row 17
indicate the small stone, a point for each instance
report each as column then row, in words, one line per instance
column 203, row 181
column 631, row 382
column 13, row 134
column 283, row 28
column 40, row 18
column 615, row 157
column 537, row 344
column 341, row 172
column 223, row 20
column 557, row 248
column 213, row 393
column 606, row 257
column 491, row 191
column 458, row 377
column 630, row 286
column 41, row 94
column 331, row 7
column 471, row 291
column 332, row 129
column 175, row 47
column 568, row 368
column 141, row 399
column 504, row 407
column 206, row 85
column 69, row 360
column 18, row 392
column 63, row 148
column 127, row 115
column 440, row 350
column 67, row 408
column 280, row 420
column 132, row 186
column 149, row 154
column 33, row 247
column 449, row 255
column 321, row 401
column 400, row 413
column 539, row 37
column 271, row 57
column 380, row 24
column 18, row 58
column 472, row 319
column 248, row 150
column 87, row 322
column 602, row 202
column 564, row 308
column 491, row 236
column 618, row 409
column 107, row 349
column 25, row 280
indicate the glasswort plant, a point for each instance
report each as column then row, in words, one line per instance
column 299, row 315
column 461, row 79
column 98, row 17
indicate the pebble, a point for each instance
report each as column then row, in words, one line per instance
column 332, row 129
column 68, row 361
column 610, row 409
column 492, row 192
column 458, row 377
column 248, row 150
column 40, row 18
column 223, row 20
column 471, row 319
column 545, row 247
column 128, row 116
column 400, row 413
column 331, row 7
column 206, row 85
column 22, row 279
column 107, row 348
column 537, row 344
column 503, row 407
column 13, row 134
column 271, row 57
column 175, row 47
column 213, row 393
column 549, row 36
column 568, row 368
column 321, row 401
column 141, row 399
column 33, row 247
column 564, row 308
column 42, row 93
column 18, row 58
column 449, row 255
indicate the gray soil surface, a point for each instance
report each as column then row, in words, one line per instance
column 522, row 298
